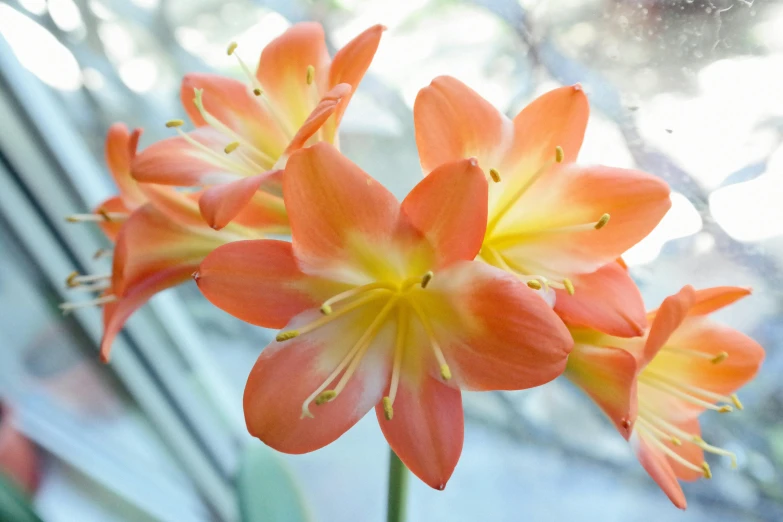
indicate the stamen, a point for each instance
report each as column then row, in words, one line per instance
column 257, row 91
column 495, row 175
column 706, row 469
column 658, row 431
column 310, row 74
column 99, row 215
column 715, row 450
column 69, row 307
column 231, row 48
column 74, row 279
column 326, row 307
column 695, row 389
column 284, row 336
column 231, row 147
column 103, row 252
column 559, row 154
column 218, row 160
column 569, row 286
column 445, row 372
column 388, row 410
column 399, row 349
column 736, row 401
column 325, row 396
column 426, row 278
column 534, row 284
column 661, row 384
column 175, row 123
column 96, row 287
column 722, row 356
column 602, row 222
column 715, row 359
column 666, row 449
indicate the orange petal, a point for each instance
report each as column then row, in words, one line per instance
column 453, row 122
column 259, row 282
column 330, row 201
column 659, row 467
column 180, row 207
column 606, row 300
column 111, row 228
column 234, row 105
column 116, row 313
column 495, row 332
column 608, row 376
column 349, row 66
column 287, row 373
column 427, row 429
column 174, row 161
column 450, row 208
column 549, row 231
column 688, row 451
column 222, row 203
column 711, row 299
column 666, row 320
column 120, row 151
column 282, row 71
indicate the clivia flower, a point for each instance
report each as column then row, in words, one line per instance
column 654, row 388
column 245, row 132
column 551, row 222
column 160, row 239
column 381, row 305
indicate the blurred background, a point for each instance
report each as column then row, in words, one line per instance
column 691, row 90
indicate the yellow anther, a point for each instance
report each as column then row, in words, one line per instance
column 445, row 372
column 425, row 279
column 284, row 336
column 231, row 48
column 602, row 222
column 70, row 280
column 257, row 91
column 569, row 286
column 736, row 401
column 676, row 441
column 559, row 154
column 231, row 147
column 326, row 309
column 310, row 74
column 534, row 284
column 722, row 356
column 495, row 175
column 725, row 409
column 175, row 123
column 325, row 396
column 388, row 411
column 706, row 469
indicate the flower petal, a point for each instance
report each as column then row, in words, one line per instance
column 710, row 300
column 659, row 468
column 349, row 66
column 608, row 376
column 259, row 282
column 111, row 228
column 666, row 320
column 549, row 229
column 220, row 204
column 330, row 202
column 233, row 104
column 427, row 428
column 450, row 208
column 287, row 373
column 282, row 71
column 120, row 151
column 495, row 332
column 606, row 300
column 116, row 313
column 453, row 122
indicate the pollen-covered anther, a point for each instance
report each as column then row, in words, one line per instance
column 559, row 154
column 445, row 372
column 68, row 307
column 284, row 336
column 569, row 286
column 175, row 123
column 425, row 279
column 388, row 410
column 325, row 396
column 231, row 147
column 706, row 470
column 257, row 91
column 736, row 401
column 725, row 409
column 535, row 284
column 495, row 175
column 326, row 309
column 722, row 356
column 676, row 441
column 231, row 48
column 70, row 281
column 310, row 74
column 602, row 221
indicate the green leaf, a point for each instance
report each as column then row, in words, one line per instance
column 268, row 490
column 14, row 505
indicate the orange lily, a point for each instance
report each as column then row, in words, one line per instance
column 654, row 388
column 160, row 239
column 549, row 219
column 381, row 305
column 245, row 133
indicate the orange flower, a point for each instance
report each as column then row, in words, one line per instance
column 551, row 222
column 655, row 388
column 245, row 133
column 381, row 306
column 160, row 239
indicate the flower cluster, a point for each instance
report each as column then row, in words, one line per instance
column 500, row 270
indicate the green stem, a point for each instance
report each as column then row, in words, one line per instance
column 398, row 489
